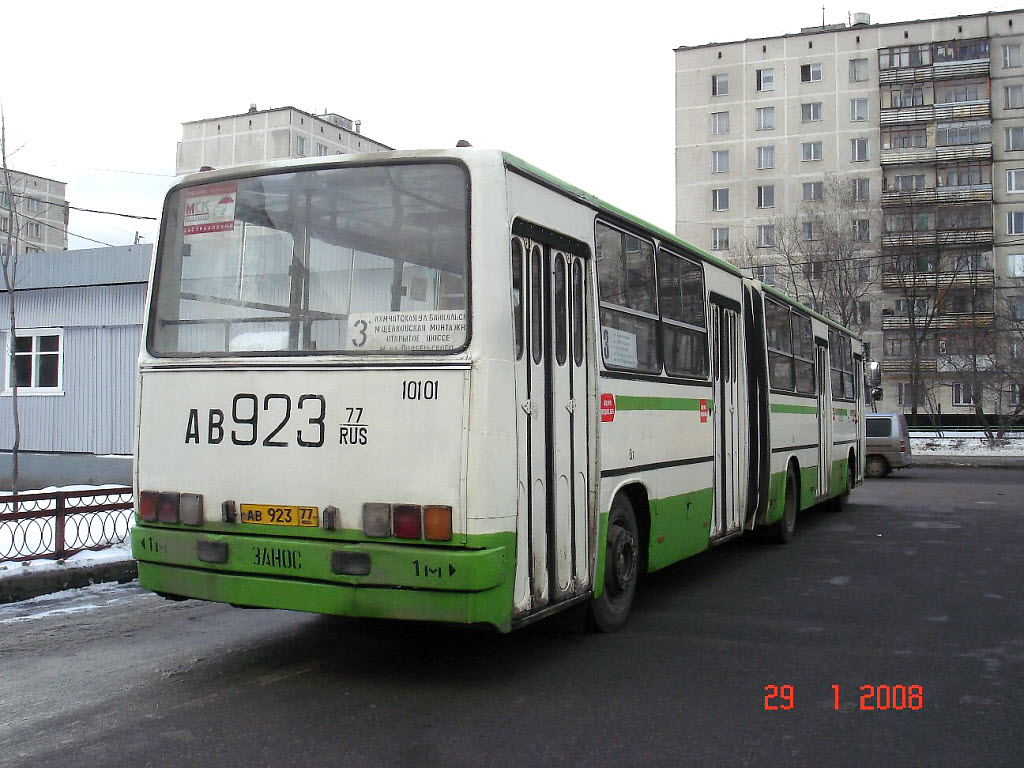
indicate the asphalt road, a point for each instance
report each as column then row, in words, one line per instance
column 918, row 585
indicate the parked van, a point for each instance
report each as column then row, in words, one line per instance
column 888, row 444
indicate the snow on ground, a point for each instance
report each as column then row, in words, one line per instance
column 116, row 553
column 924, row 444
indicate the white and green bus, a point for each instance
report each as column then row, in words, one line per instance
column 446, row 386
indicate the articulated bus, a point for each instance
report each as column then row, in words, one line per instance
column 447, row 386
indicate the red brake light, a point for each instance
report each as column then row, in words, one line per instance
column 147, row 506
column 167, row 507
column 406, row 521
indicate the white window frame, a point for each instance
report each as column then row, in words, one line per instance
column 1014, row 138
column 859, row 150
column 1014, row 95
column 766, row 196
column 817, row 191
column 764, row 80
column 765, row 236
column 720, row 161
column 1015, row 180
column 765, row 273
column 34, row 334
column 859, row 110
column 720, row 84
column 1015, row 222
column 810, row 112
column 300, row 146
column 764, row 118
column 857, row 74
column 33, row 205
column 719, row 238
column 810, row 151
column 33, row 229
column 719, row 123
column 764, row 153
column 1011, row 56
column 960, row 389
column 862, row 230
column 856, row 195
column 1015, row 265
column 720, row 199
column 810, row 70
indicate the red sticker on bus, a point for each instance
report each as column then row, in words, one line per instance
column 607, row 407
column 703, row 411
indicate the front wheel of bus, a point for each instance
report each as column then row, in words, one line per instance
column 786, row 525
column 621, row 567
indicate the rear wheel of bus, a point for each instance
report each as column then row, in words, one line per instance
column 786, row 525
column 621, row 568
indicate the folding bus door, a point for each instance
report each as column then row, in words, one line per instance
column 552, row 424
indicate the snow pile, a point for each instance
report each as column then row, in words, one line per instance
column 923, row 445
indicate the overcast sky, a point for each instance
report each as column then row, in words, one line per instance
column 583, row 90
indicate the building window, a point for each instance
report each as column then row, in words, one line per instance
column 910, row 397
column 33, row 205
column 963, row 394
column 810, row 73
column 864, row 270
column 765, row 118
column 5, row 224
column 810, row 150
column 1014, row 96
column 1015, row 393
column 813, row 191
column 810, row 113
column 765, row 235
column 766, row 196
column 863, row 312
column 858, row 70
column 1016, row 307
column 958, row 92
column 720, row 239
column 765, row 80
column 32, row 229
column 1015, row 180
column 720, row 199
column 765, row 273
column 909, row 183
column 720, row 161
column 1015, row 222
column 959, row 134
column 300, row 146
column 858, row 110
column 1014, row 138
column 860, row 190
column 38, row 360
column 862, row 230
column 765, row 158
column 322, row 150
column 1011, row 56
column 1015, row 265
column 808, row 233
column 859, row 150
column 719, row 123
column 720, row 85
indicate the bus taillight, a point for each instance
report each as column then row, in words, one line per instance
column 167, row 507
column 407, row 521
column 191, row 508
column 147, row 506
column 437, row 523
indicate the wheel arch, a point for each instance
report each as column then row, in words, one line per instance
column 636, row 491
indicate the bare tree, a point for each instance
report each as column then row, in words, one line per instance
column 821, row 250
column 9, row 262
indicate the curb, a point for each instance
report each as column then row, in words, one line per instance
column 1003, row 462
column 23, row 586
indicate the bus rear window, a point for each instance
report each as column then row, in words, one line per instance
column 342, row 260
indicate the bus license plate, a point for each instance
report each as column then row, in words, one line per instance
column 276, row 514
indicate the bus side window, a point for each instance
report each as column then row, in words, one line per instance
column 780, row 344
column 577, row 312
column 560, row 312
column 537, row 303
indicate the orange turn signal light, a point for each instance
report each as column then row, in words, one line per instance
column 437, row 523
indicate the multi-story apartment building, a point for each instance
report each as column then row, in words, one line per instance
column 40, row 210
column 270, row 134
column 878, row 171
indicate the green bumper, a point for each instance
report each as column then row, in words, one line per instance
column 426, row 583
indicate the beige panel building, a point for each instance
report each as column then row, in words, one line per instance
column 271, row 134
column 42, row 213
column 899, row 147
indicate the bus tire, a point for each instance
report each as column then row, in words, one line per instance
column 876, row 466
column 786, row 524
column 608, row 612
column 842, row 503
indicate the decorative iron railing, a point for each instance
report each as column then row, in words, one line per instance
column 57, row 524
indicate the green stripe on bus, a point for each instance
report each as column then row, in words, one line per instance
column 783, row 408
column 842, row 412
column 631, row 403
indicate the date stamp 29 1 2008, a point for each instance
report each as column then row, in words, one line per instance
column 872, row 697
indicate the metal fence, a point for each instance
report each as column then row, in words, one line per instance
column 54, row 525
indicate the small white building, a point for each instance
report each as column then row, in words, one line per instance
column 270, row 134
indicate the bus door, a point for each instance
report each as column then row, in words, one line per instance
column 728, row 368
column 553, row 528
column 824, row 385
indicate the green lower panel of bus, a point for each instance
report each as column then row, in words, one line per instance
column 370, row 580
column 680, row 527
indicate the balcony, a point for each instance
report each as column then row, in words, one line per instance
column 944, row 71
column 978, row 193
column 931, row 155
column 909, row 239
column 981, row 236
column 940, row 280
column 935, row 112
column 897, row 366
column 940, row 322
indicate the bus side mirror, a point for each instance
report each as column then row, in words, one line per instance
column 876, row 393
column 874, row 373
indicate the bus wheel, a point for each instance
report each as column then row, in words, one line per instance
column 842, row 502
column 621, row 566
column 787, row 523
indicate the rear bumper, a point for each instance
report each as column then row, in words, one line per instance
column 464, row 586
